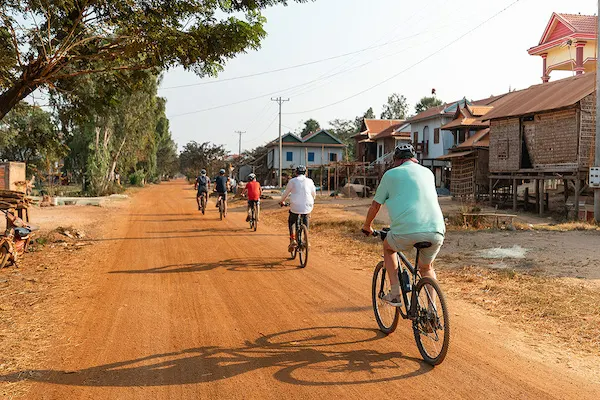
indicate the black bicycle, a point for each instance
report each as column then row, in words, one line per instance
column 221, row 206
column 254, row 216
column 203, row 201
column 301, row 249
column 423, row 303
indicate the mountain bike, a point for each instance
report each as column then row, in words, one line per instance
column 301, row 249
column 254, row 216
column 221, row 206
column 203, row 201
column 423, row 303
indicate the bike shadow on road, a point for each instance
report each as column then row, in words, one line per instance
column 320, row 356
column 233, row 264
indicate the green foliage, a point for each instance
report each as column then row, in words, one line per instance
column 28, row 134
column 310, row 126
column 395, row 108
column 138, row 178
column 196, row 157
column 369, row 114
column 426, row 103
column 43, row 43
column 344, row 130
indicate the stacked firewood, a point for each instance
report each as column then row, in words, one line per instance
column 13, row 199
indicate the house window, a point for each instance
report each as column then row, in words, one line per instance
column 426, row 133
column 289, row 156
column 415, row 137
column 333, row 157
column 436, row 135
column 503, row 149
column 380, row 151
column 311, row 156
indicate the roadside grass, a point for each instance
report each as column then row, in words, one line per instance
column 560, row 309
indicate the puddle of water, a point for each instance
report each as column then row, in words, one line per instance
column 500, row 253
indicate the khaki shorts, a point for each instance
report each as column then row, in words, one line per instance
column 405, row 243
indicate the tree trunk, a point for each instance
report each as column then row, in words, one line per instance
column 10, row 98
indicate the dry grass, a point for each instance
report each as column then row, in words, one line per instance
column 561, row 309
column 563, row 227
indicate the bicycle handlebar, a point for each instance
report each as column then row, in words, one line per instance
column 382, row 234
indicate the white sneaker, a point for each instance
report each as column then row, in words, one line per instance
column 392, row 300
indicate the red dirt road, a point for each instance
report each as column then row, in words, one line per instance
column 190, row 307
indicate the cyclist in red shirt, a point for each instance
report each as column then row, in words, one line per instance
column 254, row 192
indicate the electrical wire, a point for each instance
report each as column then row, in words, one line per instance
column 408, row 68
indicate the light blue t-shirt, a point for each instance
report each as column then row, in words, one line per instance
column 409, row 193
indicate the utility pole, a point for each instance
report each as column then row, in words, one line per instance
column 240, row 133
column 597, row 144
column 280, row 101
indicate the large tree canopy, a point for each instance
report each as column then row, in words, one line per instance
column 426, row 103
column 395, row 108
column 43, row 42
column 310, row 126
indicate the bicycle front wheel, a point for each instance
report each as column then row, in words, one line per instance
column 303, row 245
column 386, row 315
column 431, row 326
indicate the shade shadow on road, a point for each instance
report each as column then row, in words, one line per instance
column 232, row 264
column 309, row 357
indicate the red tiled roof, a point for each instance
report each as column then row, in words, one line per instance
column 545, row 97
column 581, row 23
column 378, row 126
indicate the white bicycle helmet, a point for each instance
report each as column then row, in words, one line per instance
column 405, row 150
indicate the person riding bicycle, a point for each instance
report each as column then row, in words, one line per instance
column 202, row 185
column 254, row 191
column 221, row 187
column 302, row 192
column 409, row 193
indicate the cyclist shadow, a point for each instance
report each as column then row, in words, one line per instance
column 307, row 357
column 232, row 264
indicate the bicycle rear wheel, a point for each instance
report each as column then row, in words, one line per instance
column 221, row 210
column 386, row 315
column 254, row 217
column 203, row 204
column 303, row 245
column 431, row 326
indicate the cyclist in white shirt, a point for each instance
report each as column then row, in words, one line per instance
column 301, row 192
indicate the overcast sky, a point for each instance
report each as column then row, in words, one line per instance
column 397, row 33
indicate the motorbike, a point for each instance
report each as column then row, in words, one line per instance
column 16, row 239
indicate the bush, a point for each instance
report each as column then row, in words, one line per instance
column 138, row 178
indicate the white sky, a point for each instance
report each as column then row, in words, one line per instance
column 487, row 61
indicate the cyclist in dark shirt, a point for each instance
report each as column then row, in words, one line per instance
column 221, row 187
column 202, row 185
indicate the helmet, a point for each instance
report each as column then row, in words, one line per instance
column 222, row 171
column 203, row 172
column 300, row 170
column 403, row 151
column 252, row 177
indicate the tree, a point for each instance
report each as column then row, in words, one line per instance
column 29, row 134
column 426, row 103
column 344, row 130
column 369, row 114
column 167, row 162
column 196, row 156
column 396, row 107
column 310, row 126
column 44, row 42
column 114, row 115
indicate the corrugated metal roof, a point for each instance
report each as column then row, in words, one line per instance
column 544, row 97
column 454, row 155
column 464, row 122
column 479, row 139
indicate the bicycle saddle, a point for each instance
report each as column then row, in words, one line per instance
column 423, row 245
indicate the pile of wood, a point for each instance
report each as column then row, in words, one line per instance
column 13, row 199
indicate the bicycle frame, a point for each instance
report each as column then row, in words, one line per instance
column 414, row 271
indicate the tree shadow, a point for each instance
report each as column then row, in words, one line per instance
column 236, row 265
column 307, row 357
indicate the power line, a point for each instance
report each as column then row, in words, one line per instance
column 411, row 66
column 292, row 66
column 265, row 131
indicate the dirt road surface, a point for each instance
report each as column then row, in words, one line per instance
column 184, row 306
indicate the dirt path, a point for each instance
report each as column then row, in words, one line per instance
column 184, row 306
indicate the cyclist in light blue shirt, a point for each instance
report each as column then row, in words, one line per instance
column 409, row 193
